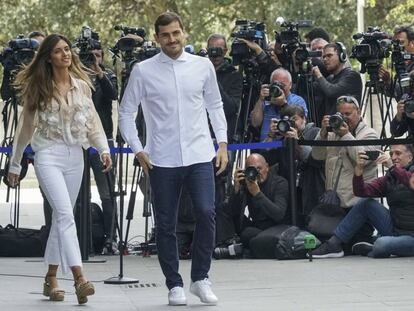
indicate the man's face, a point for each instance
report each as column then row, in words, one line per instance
column 400, row 155
column 408, row 45
column 282, row 78
column 171, row 39
column 217, row 43
column 98, row 56
column 318, row 45
column 351, row 114
column 300, row 122
column 261, row 165
column 331, row 59
column 39, row 39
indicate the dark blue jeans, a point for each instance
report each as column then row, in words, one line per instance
column 373, row 212
column 166, row 184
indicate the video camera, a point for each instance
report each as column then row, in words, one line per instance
column 251, row 31
column 86, row 43
column 371, row 50
column 290, row 41
column 20, row 51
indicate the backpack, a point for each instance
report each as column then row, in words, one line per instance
column 291, row 244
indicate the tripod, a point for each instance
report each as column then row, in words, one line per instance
column 374, row 89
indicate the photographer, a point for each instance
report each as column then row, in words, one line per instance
column 311, row 175
column 342, row 80
column 394, row 224
column 266, row 195
column 404, row 118
column 229, row 80
column 273, row 97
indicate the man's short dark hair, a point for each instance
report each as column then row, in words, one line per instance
column 317, row 32
column 217, row 36
column 36, row 34
column 167, row 18
column 407, row 29
column 410, row 149
column 331, row 46
column 292, row 110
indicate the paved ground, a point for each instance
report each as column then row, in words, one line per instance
column 351, row 283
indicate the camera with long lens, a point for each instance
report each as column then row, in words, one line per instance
column 304, row 56
column 234, row 250
column 126, row 44
column 398, row 57
column 215, row 52
column 86, row 43
column 275, row 90
column 20, row 51
column 251, row 31
column 409, row 105
column 251, row 173
column 284, row 125
column 335, row 121
column 371, row 50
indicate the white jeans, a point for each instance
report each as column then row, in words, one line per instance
column 59, row 170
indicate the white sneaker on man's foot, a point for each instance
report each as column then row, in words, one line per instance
column 203, row 291
column 176, row 296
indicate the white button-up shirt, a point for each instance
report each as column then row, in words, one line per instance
column 174, row 95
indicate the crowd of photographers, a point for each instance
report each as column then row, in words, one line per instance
column 281, row 90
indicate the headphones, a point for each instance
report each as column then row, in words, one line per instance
column 341, row 49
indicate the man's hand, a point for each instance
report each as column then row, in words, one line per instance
column 324, row 127
column 362, row 159
column 238, row 178
column 316, row 72
column 279, row 101
column 252, row 45
column 13, row 179
column 384, row 75
column 400, row 110
column 292, row 133
column 343, row 129
column 107, row 162
column 384, row 159
column 264, row 91
column 97, row 69
column 222, row 158
column 144, row 161
column 252, row 187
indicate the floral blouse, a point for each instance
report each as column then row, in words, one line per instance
column 73, row 121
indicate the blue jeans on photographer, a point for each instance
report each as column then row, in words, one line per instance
column 371, row 211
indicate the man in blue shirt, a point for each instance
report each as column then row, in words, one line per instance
column 267, row 109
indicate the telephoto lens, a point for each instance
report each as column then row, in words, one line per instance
column 284, row 126
column 234, row 250
column 409, row 105
column 251, row 173
column 336, row 120
column 275, row 90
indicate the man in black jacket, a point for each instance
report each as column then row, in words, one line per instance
column 266, row 196
column 342, row 80
column 229, row 80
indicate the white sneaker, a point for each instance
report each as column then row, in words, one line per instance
column 176, row 297
column 203, row 291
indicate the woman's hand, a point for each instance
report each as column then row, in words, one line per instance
column 107, row 162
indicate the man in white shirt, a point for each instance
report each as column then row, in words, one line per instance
column 175, row 89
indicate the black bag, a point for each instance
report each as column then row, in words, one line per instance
column 98, row 230
column 19, row 242
column 326, row 216
column 291, row 244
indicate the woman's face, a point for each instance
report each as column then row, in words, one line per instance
column 61, row 55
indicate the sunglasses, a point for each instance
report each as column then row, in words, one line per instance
column 347, row 99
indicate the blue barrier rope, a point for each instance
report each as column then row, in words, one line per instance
column 231, row 147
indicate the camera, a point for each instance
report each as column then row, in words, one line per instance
column 275, row 90
column 409, row 105
column 371, row 50
column 249, row 30
column 86, row 43
column 372, row 154
column 20, row 51
column 126, row 44
column 251, row 173
column 215, row 52
column 336, row 120
column 234, row 250
column 398, row 57
column 284, row 125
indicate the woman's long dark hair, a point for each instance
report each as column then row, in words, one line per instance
column 35, row 81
